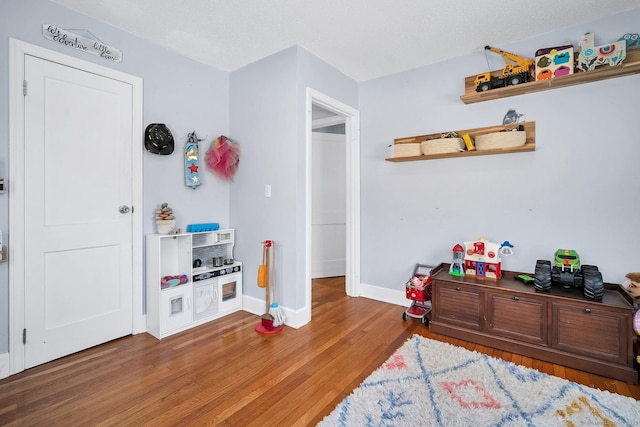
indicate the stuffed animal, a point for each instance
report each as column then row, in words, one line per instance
column 632, row 284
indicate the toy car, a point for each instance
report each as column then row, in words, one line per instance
column 567, row 272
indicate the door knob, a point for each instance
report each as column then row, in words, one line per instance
column 124, row 209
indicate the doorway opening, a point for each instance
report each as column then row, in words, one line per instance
column 328, row 195
column 344, row 121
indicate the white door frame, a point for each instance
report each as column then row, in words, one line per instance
column 17, row 264
column 352, row 153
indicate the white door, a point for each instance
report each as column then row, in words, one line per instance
column 77, row 243
column 329, row 205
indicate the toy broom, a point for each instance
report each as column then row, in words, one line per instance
column 272, row 321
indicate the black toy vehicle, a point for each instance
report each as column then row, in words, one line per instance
column 567, row 272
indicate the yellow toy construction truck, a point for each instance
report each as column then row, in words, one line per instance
column 517, row 70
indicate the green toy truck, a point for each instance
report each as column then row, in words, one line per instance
column 568, row 272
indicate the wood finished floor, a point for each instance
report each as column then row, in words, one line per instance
column 224, row 373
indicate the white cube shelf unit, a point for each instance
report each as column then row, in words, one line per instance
column 191, row 278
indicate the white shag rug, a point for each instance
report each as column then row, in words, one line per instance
column 431, row 383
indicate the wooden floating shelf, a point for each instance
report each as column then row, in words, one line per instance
column 631, row 65
column 529, row 145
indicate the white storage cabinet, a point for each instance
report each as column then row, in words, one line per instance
column 212, row 280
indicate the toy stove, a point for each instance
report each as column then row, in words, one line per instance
column 217, row 272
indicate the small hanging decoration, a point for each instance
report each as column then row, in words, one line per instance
column 223, row 157
column 191, row 167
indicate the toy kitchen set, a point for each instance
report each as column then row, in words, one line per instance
column 192, row 278
column 213, row 255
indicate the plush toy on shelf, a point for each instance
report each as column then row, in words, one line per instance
column 632, row 284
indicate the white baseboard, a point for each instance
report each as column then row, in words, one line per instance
column 253, row 305
column 391, row 296
column 298, row 318
column 293, row 318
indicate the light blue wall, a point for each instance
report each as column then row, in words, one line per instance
column 186, row 95
column 268, row 118
column 263, row 120
column 579, row 189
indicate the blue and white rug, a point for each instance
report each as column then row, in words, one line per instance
column 431, row 383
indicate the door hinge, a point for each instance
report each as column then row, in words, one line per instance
column 24, row 336
column 24, row 88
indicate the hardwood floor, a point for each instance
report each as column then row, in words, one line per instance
column 224, row 373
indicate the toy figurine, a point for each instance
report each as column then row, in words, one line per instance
column 457, row 263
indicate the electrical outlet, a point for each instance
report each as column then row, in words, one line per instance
column 267, row 190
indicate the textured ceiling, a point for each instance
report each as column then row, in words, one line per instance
column 364, row 39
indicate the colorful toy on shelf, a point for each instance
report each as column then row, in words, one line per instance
column 517, row 70
column 457, row 263
column 592, row 56
column 554, row 62
column 632, row 40
column 198, row 228
column 171, row 281
column 468, row 142
column 482, row 259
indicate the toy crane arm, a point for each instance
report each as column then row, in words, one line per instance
column 506, row 56
column 511, row 60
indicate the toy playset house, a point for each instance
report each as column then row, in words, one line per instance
column 482, row 259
